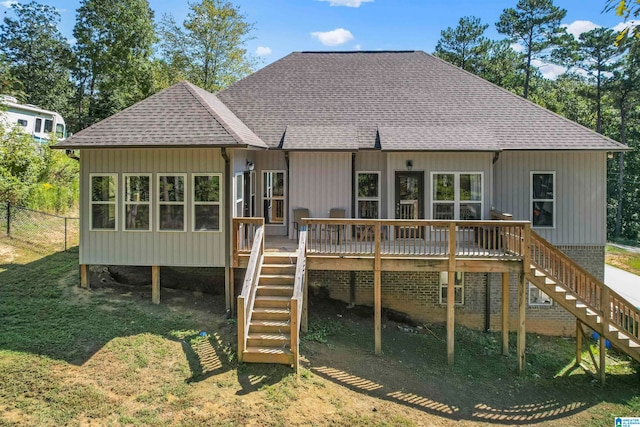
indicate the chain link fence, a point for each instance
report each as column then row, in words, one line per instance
column 41, row 231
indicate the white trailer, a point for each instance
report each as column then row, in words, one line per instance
column 34, row 120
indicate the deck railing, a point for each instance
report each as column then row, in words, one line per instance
column 243, row 234
column 416, row 238
column 297, row 299
column 247, row 296
column 613, row 308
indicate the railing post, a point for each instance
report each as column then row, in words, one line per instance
column 377, row 291
column 505, row 314
column 234, row 243
column 295, row 340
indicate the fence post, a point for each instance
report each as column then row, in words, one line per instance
column 65, row 234
column 8, row 218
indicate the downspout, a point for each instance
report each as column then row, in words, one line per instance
column 227, row 231
column 288, row 198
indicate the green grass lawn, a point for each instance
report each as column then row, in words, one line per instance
column 109, row 357
column 621, row 258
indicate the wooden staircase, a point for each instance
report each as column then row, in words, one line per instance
column 591, row 301
column 269, row 337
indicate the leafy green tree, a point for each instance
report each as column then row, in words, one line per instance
column 626, row 9
column 535, row 24
column 38, row 55
column 9, row 84
column 502, row 66
column 464, row 46
column 594, row 52
column 209, row 48
column 114, row 44
column 20, row 165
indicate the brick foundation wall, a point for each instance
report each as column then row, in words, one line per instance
column 417, row 295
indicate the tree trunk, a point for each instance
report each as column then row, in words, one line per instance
column 528, row 70
column 623, row 137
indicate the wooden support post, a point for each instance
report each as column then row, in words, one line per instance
column 606, row 318
column 232, row 289
column 451, row 295
column 377, row 292
column 578, row 342
column 241, row 327
column 155, row 284
column 295, row 339
column 522, row 331
column 505, row 314
column 84, row 276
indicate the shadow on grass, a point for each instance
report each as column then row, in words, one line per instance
column 481, row 387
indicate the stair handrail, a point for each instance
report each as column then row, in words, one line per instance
column 585, row 287
column 247, row 296
column 297, row 298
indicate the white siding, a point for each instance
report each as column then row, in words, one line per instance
column 204, row 249
column 319, row 182
column 439, row 162
column 580, row 189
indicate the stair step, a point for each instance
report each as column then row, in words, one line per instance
column 264, row 339
column 570, row 297
column 275, row 290
column 266, row 301
column 548, row 281
column 275, row 269
column 634, row 344
column 560, row 289
column 580, row 305
column 613, row 328
column 270, row 314
column 269, row 326
column 276, row 279
column 267, row 355
column 538, row 273
column 279, row 259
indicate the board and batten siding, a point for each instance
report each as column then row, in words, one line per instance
column 374, row 161
column 429, row 162
column 580, row 192
column 320, row 181
column 146, row 248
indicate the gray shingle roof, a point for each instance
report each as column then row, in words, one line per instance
column 179, row 116
column 417, row 101
column 320, row 137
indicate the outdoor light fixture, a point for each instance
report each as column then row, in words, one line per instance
column 250, row 165
column 409, row 165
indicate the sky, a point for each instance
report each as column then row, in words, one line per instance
column 285, row 26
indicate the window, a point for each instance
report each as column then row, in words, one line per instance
column 137, row 202
column 543, row 199
column 537, row 297
column 239, row 192
column 59, row 131
column 104, row 189
column 274, row 192
column 206, row 202
column 38, row 125
column 458, row 288
column 48, row 126
column 171, row 202
column 22, row 123
column 457, row 195
column 368, row 195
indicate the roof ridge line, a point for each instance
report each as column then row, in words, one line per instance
column 214, row 114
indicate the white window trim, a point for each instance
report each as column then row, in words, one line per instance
column 284, row 197
column 456, row 202
column 368, row 199
column 219, row 202
column 531, row 199
column 91, row 202
column 235, row 195
column 159, row 203
column 443, row 284
column 532, row 304
column 125, row 203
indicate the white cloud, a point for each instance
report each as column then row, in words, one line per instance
column 357, row 47
column 629, row 24
column 348, row 3
column 8, row 3
column 550, row 71
column 517, row 47
column 334, row 38
column 578, row 27
column 263, row 51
